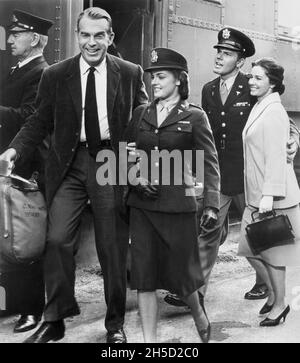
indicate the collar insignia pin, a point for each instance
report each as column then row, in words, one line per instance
column 238, row 93
column 154, row 56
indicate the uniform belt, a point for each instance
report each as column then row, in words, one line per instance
column 105, row 144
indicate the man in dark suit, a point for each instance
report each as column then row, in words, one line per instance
column 27, row 36
column 86, row 104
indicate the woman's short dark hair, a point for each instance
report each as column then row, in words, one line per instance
column 184, row 87
column 274, row 71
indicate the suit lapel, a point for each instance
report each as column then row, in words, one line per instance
column 73, row 80
column 113, row 79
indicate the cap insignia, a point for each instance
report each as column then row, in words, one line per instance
column 226, row 34
column 14, row 19
column 154, row 56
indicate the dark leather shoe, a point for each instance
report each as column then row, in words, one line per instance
column 48, row 331
column 258, row 292
column 174, row 300
column 26, row 323
column 116, row 336
column 266, row 309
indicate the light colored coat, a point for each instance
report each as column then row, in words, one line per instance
column 266, row 170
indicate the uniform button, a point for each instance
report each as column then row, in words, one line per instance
column 155, row 181
column 155, row 147
column 241, row 113
column 157, row 165
column 223, row 113
column 77, row 134
column 156, row 131
column 223, row 125
column 179, row 128
column 224, row 136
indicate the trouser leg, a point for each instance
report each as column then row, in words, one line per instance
column 59, row 263
column 112, row 238
column 209, row 241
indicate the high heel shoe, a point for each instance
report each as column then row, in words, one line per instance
column 275, row 322
column 266, row 309
column 204, row 333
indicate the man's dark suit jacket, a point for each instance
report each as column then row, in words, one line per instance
column 60, row 110
column 17, row 102
column 227, row 123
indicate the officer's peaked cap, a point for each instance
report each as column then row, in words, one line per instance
column 233, row 39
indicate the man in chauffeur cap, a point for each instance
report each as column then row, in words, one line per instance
column 27, row 36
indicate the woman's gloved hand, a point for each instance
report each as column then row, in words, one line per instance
column 144, row 188
column 209, row 218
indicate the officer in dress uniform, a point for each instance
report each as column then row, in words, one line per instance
column 227, row 102
column 27, row 36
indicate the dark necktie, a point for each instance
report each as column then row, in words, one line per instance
column 14, row 69
column 92, row 129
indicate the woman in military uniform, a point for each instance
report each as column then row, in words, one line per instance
column 163, row 214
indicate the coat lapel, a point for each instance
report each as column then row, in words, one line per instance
column 113, row 79
column 74, row 85
column 150, row 115
column 215, row 91
column 259, row 108
column 179, row 112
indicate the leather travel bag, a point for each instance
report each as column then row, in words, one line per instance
column 23, row 220
column 271, row 231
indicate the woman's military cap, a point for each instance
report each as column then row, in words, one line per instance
column 164, row 58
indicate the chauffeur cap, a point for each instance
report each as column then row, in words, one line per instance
column 233, row 39
column 28, row 22
column 164, row 58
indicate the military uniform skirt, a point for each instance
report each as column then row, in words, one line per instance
column 165, row 252
column 288, row 255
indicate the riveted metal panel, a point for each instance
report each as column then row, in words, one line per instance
column 251, row 14
column 196, row 9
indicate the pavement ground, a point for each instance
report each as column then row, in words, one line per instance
column 234, row 320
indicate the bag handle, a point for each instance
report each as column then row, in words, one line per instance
column 272, row 214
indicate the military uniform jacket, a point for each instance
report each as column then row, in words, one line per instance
column 17, row 102
column 59, row 113
column 185, row 128
column 227, row 122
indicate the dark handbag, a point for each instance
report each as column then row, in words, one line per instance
column 271, row 231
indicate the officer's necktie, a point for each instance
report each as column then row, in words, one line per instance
column 162, row 114
column 92, row 129
column 14, row 69
column 223, row 91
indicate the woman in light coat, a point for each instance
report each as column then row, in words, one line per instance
column 270, row 181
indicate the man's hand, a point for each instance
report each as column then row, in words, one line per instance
column 209, row 218
column 292, row 148
column 7, row 160
column 145, row 189
column 266, row 204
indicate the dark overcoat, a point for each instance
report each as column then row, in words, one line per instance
column 227, row 122
column 185, row 128
column 60, row 111
column 17, row 102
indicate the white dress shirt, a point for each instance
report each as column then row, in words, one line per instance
column 101, row 95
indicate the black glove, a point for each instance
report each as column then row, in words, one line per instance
column 209, row 218
column 145, row 189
